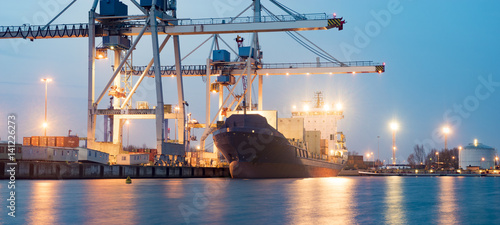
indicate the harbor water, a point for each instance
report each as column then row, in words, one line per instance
column 339, row 200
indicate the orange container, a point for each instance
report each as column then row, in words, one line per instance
column 51, row 141
column 43, row 141
column 27, row 141
column 35, row 140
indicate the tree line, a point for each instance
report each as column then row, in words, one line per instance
column 445, row 158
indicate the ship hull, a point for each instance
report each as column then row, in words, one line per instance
column 263, row 152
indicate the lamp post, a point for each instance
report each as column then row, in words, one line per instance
column 378, row 148
column 128, row 131
column 368, row 157
column 437, row 153
column 46, row 80
column 176, row 110
column 394, row 128
column 481, row 165
column 446, row 131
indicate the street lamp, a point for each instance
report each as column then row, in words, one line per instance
column 482, row 160
column 446, row 131
column 394, row 128
column 128, row 131
column 176, row 111
column 368, row 157
column 437, row 153
column 45, row 124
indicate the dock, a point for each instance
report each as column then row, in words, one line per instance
column 63, row 170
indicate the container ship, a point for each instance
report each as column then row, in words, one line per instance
column 306, row 145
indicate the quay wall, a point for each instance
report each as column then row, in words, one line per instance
column 64, row 170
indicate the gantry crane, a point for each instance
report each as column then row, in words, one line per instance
column 159, row 17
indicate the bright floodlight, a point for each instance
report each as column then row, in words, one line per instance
column 446, row 130
column 45, row 125
column 294, row 107
column 338, row 106
column 306, row 108
column 394, row 126
column 326, row 107
column 198, row 147
column 127, row 122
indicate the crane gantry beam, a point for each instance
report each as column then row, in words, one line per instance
column 271, row 69
column 176, row 27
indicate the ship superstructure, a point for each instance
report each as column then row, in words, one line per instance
column 323, row 117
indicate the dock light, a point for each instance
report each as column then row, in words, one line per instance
column 46, row 80
column 354, row 73
column 101, row 53
column 482, row 159
column 475, row 142
column 287, row 74
column 306, row 108
column 416, row 171
column 294, row 107
column 308, row 74
column 338, row 106
column 394, row 128
column 127, row 122
column 331, row 152
column 326, row 107
column 198, row 147
column 459, row 147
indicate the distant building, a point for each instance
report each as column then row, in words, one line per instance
column 477, row 155
column 132, row 159
column 355, row 162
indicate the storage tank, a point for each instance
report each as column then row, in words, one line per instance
column 477, row 154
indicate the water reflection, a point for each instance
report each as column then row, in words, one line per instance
column 447, row 201
column 174, row 189
column 322, row 201
column 42, row 208
column 395, row 210
column 110, row 200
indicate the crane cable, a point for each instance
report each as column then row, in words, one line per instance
column 319, row 52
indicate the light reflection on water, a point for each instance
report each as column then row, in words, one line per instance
column 396, row 212
column 447, row 201
column 42, row 203
column 340, row 200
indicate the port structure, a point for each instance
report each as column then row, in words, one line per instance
column 160, row 18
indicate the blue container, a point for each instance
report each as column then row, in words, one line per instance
column 221, row 56
column 160, row 4
column 112, row 8
column 245, row 52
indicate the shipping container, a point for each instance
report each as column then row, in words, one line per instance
column 43, row 141
column 35, row 140
column 60, row 141
column 27, row 141
column 70, row 142
column 51, row 141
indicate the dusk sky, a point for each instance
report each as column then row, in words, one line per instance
column 441, row 69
